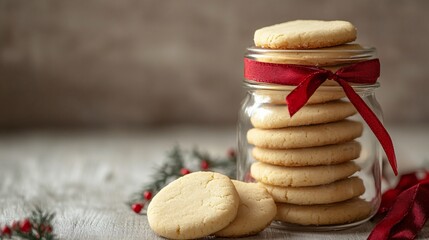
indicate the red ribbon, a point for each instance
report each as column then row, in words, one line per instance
column 309, row 78
column 406, row 207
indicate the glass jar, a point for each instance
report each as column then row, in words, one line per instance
column 301, row 160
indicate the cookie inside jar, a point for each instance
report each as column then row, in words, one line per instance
column 322, row 163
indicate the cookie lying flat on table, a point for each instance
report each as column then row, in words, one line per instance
column 277, row 116
column 329, row 193
column 305, row 136
column 256, row 211
column 301, row 176
column 194, row 206
column 305, row 34
column 312, row 156
column 325, row 214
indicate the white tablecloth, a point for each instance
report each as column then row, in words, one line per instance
column 86, row 177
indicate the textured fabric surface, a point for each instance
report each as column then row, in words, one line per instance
column 86, row 177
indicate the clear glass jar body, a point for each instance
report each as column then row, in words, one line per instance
column 300, row 192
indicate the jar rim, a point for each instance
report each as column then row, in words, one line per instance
column 342, row 54
column 277, row 87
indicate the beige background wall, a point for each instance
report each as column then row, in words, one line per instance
column 149, row 62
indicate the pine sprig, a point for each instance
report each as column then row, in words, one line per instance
column 226, row 165
column 178, row 163
column 36, row 227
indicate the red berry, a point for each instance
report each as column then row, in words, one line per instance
column 147, row 195
column 6, row 231
column 137, row 207
column 25, row 226
column 184, row 171
column 46, row 228
column 204, row 165
column 231, row 153
column 15, row 225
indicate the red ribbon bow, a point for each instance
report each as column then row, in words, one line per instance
column 309, row 78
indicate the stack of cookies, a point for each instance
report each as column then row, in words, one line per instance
column 306, row 162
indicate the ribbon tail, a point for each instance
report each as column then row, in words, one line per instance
column 373, row 122
column 296, row 99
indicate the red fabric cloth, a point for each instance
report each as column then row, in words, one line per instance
column 407, row 208
column 309, row 78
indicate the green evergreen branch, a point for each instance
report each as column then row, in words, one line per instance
column 178, row 163
column 36, row 227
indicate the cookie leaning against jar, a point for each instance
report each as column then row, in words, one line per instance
column 194, row 206
column 205, row 204
column 308, row 161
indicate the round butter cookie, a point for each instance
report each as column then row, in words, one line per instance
column 194, row 206
column 352, row 210
column 329, row 193
column 255, row 212
column 305, row 136
column 277, row 116
column 312, row 156
column 305, row 34
column 279, row 97
column 301, row 176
